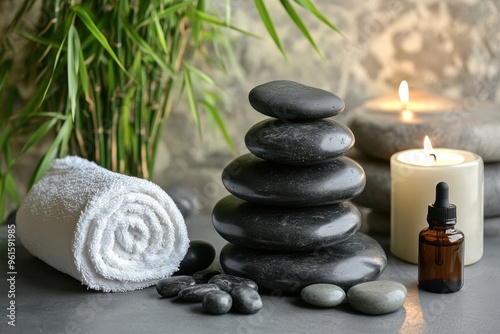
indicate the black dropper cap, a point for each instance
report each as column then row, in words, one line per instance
column 442, row 212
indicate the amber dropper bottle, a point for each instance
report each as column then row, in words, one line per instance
column 441, row 247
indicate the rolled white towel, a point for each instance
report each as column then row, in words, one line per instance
column 110, row 231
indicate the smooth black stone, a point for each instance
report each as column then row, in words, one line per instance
column 195, row 293
column 299, row 143
column 284, row 229
column 199, row 256
column 203, row 276
column 171, row 286
column 229, row 282
column 291, row 100
column 246, row 300
column 264, row 182
column 184, row 199
column 357, row 260
column 217, row 302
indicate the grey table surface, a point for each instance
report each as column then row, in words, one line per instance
column 48, row 301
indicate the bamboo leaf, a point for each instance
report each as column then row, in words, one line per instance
column 213, row 20
column 201, row 74
column 147, row 49
column 266, row 19
column 84, row 76
column 87, row 21
column 56, row 61
column 210, row 107
column 11, row 189
column 298, row 22
column 160, row 34
column 228, row 12
column 39, row 134
column 166, row 12
column 201, row 7
column 310, row 7
column 38, row 39
column 50, row 155
column 193, row 105
column 72, row 68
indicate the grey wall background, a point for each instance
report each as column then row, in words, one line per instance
column 448, row 47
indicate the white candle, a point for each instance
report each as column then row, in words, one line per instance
column 414, row 175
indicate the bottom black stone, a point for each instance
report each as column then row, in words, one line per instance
column 357, row 260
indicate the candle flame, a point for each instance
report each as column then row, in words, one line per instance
column 404, row 93
column 428, row 146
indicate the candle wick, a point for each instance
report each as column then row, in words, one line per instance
column 434, row 156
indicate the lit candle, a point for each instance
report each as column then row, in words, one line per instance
column 398, row 121
column 421, row 103
column 414, row 175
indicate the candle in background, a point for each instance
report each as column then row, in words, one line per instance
column 414, row 175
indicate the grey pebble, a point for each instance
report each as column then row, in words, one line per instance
column 246, row 300
column 229, row 282
column 323, row 295
column 377, row 297
column 203, row 276
column 195, row 293
column 171, row 286
column 217, row 302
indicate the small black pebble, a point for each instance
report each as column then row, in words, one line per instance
column 217, row 302
column 171, row 286
column 246, row 300
column 229, row 282
column 203, row 276
column 195, row 293
column 199, row 256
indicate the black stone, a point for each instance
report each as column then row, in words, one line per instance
column 199, row 256
column 195, row 293
column 184, row 199
column 217, row 302
column 171, row 286
column 229, row 282
column 357, row 260
column 299, row 143
column 284, row 229
column 265, row 182
column 204, row 276
column 246, row 300
column 291, row 100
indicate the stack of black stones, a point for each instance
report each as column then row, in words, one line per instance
column 289, row 220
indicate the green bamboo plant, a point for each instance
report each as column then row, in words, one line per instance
column 108, row 73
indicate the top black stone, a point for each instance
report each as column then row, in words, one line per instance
column 285, row 99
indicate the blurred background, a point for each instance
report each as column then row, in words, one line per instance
column 447, row 47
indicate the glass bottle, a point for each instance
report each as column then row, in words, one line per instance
column 441, row 247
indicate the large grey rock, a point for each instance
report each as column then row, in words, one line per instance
column 377, row 297
column 286, row 99
column 284, row 229
column 264, row 182
column 381, row 134
column 299, row 143
column 359, row 259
